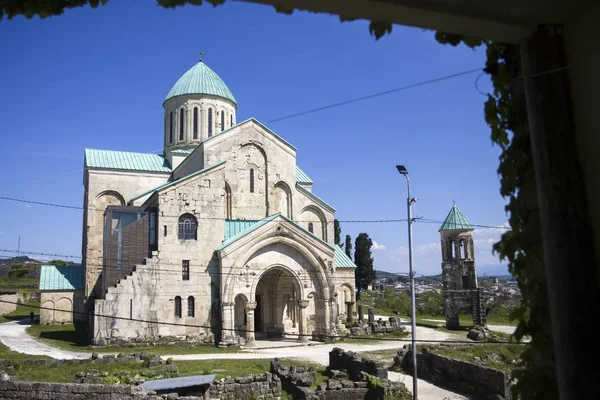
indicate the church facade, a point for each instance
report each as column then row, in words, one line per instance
column 221, row 234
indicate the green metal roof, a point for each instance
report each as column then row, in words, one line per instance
column 301, row 177
column 69, row 277
column 183, row 178
column 254, row 226
column 315, row 198
column 235, row 226
column 251, row 228
column 200, row 79
column 341, row 259
column 125, row 160
column 455, row 221
column 181, row 151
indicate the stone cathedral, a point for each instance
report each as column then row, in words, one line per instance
column 221, row 234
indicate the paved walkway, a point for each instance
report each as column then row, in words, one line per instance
column 508, row 329
column 13, row 335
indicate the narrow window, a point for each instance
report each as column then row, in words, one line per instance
column 251, row 180
column 310, row 227
column 181, row 123
column 465, row 282
column 185, row 270
column 209, row 122
column 230, row 120
column 178, row 307
column 191, row 306
column 452, row 251
column 463, row 250
column 222, row 121
column 187, row 227
column 171, row 127
column 165, row 229
column 195, row 122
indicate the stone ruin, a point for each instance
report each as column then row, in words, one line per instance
column 372, row 326
column 350, row 377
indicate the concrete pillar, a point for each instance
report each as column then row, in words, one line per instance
column 250, row 324
column 361, row 315
column 227, row 325
column 303, row 332
column 350, row 311
column 371, row 315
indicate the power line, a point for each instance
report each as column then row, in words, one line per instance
column 245, row 331
column 406, row 87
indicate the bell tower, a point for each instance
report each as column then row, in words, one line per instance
column 460, row 288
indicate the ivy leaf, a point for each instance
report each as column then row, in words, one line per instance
column 380, row 29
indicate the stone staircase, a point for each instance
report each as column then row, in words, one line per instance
column 125, row 284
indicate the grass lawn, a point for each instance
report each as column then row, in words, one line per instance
column 21, row 312
column 67, row 338
column 467, row 321
column 374, row 338
column 28, row 284
column 496, row 356
column 13, row 356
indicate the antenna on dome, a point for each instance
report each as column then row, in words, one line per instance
column 453, row 201
column 201, row 54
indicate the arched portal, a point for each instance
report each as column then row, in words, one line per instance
column 276, row 295
column 240, row 314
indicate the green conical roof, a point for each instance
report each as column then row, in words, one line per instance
column 455, row 221
column 200, row 79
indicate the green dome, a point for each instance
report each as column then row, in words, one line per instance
column 200, row 79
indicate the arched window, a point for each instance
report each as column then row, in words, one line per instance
column 181, row 123
column 171, row 127
column 191, row 306
column 311, row 227
column 178, row 307
column 463, row 249
column 230, row 120
column 195, row 122
column 452, row 249
column 222, row 121
column 187, row 227
column 251, row 180
column 209, row 122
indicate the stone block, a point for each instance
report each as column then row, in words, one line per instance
column 334, row 384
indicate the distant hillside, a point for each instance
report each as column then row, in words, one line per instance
column 32, row 264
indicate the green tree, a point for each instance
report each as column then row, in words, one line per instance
column 364, row 274
column 348, row 246
column 338, row 232
column 59, row 263
column 18, row 271
column 430, row 303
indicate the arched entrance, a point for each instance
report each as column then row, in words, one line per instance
column 277, row 294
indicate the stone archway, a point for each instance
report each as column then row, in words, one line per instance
column 276, row 296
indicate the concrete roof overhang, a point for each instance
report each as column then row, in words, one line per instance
column 503, row 20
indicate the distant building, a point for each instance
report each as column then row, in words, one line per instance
column 61, row 294
column 460, row 288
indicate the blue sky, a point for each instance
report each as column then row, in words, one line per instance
column 96, row 78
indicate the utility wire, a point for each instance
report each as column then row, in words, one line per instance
column 112, row 317
column 406, row 87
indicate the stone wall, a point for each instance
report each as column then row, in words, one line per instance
column 11, row 388
column 61, row 307
column 354, row 364
column 263, row 386
column 6, row 308
column 461, row 376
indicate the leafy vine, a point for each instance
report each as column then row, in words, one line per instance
column 506, row 114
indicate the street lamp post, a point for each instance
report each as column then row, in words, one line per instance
column 413, row 313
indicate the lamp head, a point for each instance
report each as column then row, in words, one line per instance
column 402, row 169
